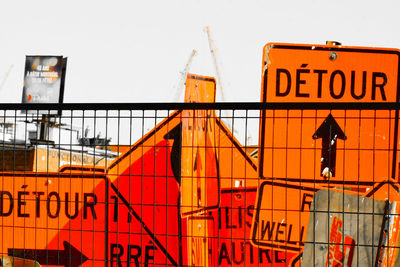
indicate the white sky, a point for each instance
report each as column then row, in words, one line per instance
column 133, row 51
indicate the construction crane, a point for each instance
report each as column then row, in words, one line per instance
column 182, row 79
column 6, row 76
column 213, row 51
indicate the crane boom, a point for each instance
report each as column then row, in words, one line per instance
column 182, row 78
column 6, row 76
column 213, row 51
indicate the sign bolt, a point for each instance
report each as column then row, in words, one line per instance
column 332, row 56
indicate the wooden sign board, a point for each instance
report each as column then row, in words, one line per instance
column 344, row 230
column 17, row 262
column 340, row 145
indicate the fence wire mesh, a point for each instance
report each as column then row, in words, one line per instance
column 190, row 184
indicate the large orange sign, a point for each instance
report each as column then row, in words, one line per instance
column 144, row 223
column 321, row 144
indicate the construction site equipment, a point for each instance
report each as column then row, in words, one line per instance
column 324, row 190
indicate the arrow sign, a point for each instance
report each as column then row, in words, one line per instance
column 70, row 256
column 329, row 131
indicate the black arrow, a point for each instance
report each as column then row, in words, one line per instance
column 176, row 152
column 329, row 131
column 69, row 257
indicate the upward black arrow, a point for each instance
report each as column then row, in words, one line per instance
column 329, row 131
column 70, row 256
column 176, row 152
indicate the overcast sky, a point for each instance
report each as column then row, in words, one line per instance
column 133, row 51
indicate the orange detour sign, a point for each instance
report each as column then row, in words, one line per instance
column 319, row 144
column 200, row 175
column 50, row 217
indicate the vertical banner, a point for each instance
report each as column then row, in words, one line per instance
column 200, row 185
column 200, row 174
column 44, row 79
